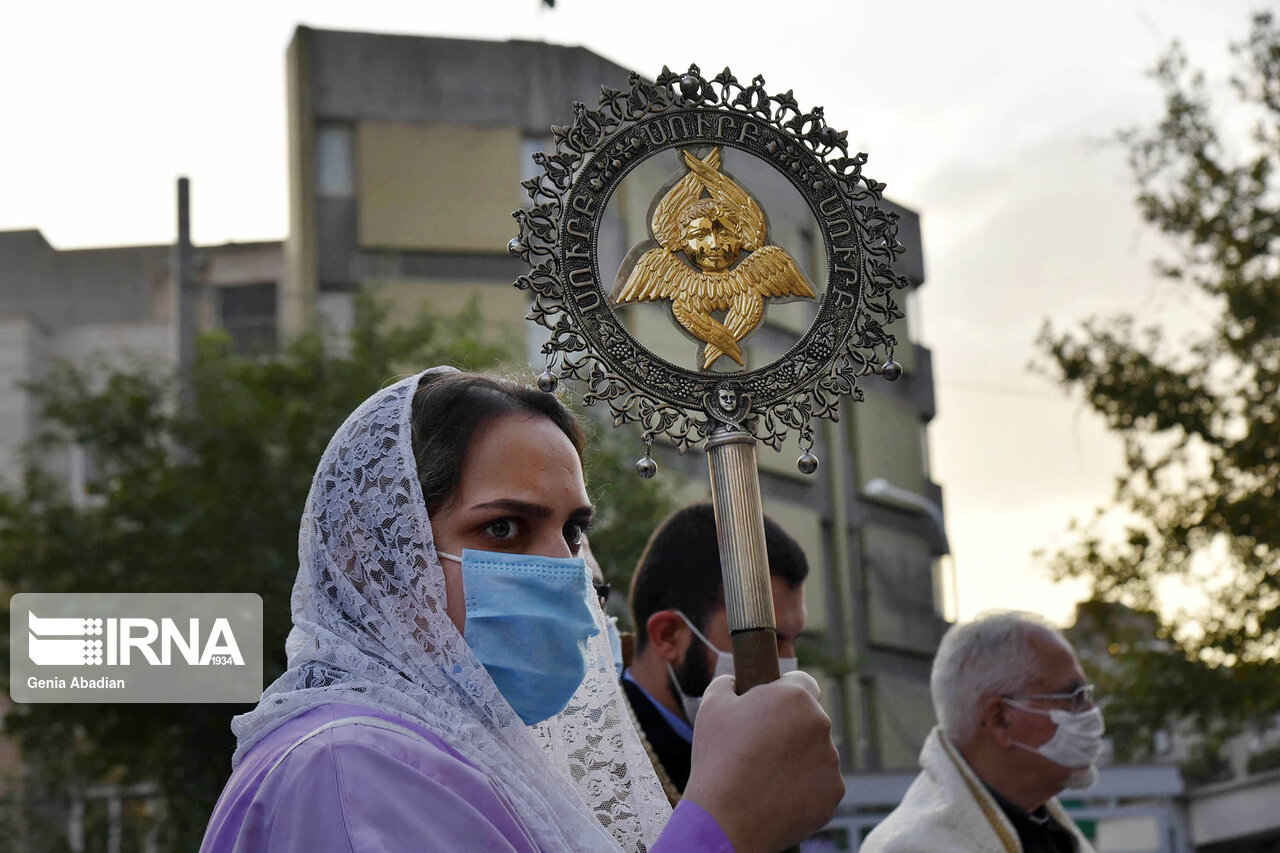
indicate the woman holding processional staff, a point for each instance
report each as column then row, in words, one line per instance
column 450, row 685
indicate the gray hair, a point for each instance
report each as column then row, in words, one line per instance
column 992, row 655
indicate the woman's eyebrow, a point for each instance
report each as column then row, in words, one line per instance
column 512, row 505
column 533, row 510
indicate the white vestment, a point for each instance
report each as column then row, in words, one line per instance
column 947, row 809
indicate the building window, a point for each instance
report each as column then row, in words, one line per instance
column 86, row 481
column 335, row 162
column 248, row 313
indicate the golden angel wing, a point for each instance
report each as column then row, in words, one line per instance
column 657, row 275
column 726, row 191
column 745, row 312
column 665, row 223
column 772, row 272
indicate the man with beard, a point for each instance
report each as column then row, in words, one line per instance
column 1016, row 726
column 682, row 632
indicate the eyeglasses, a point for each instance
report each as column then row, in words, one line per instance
column 1080, row 699
column 602, row 590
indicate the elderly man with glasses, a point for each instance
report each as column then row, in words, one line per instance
column 1016, row 726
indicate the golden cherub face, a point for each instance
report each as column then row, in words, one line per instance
column 711, row 242
column 714, row 233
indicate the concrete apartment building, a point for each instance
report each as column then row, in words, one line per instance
column 112, row 305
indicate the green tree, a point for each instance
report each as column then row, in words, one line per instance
column 205, row 497
column 1199, row 417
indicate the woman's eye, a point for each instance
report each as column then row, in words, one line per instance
column 573, row 535
column 502, row 528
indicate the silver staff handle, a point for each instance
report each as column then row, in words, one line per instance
column 744, row 559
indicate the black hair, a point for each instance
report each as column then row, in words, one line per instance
column 680, row 567
column 450, row 408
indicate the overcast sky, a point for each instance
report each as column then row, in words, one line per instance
column 989, row 118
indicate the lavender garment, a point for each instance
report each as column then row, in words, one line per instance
column 359, row 789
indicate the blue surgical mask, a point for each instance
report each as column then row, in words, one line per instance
column 528, row 621
column 615, row 643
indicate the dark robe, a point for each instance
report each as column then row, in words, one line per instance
column 672, row 751
column 1037, row 830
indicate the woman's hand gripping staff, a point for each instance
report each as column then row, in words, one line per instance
column 764, row 764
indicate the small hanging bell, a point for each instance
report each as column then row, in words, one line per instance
column 646, row 467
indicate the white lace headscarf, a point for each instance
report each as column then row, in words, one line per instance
column 369, row 627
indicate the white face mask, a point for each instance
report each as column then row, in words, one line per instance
column 724, row 666
column 1082, row 778
column 1076, row 744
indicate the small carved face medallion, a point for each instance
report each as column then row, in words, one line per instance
column 727, row 397
column 711, row 242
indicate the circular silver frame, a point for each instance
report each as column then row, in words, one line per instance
column 559, row 234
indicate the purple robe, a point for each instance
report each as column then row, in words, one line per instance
column 360, row 789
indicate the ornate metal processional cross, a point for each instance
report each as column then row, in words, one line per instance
column 711, row 265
